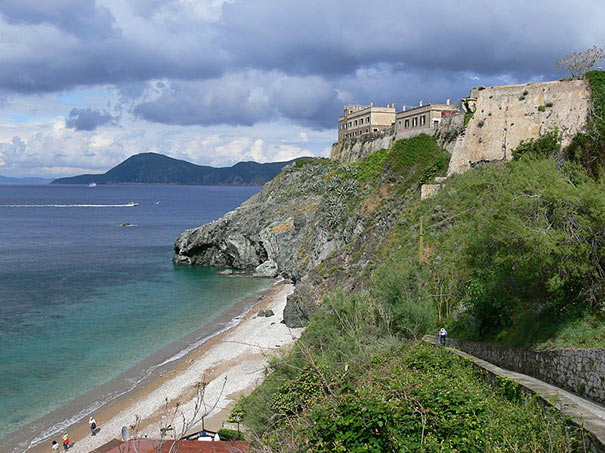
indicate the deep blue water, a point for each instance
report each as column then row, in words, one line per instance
column 83, row 298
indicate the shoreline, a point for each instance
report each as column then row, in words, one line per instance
column 231, row 362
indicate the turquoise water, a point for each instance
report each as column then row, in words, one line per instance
column 83, row 298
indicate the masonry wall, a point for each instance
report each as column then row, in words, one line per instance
column 506, row 115
column 354, row 149
column 581, row 371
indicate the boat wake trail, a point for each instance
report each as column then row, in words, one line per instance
column 125, row 205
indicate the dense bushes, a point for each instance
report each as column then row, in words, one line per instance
column 513, row 252
column 525, row 239
column 415, row 398
column 588, row 148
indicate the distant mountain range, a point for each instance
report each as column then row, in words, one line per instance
column 153, row 168
column 23, row 181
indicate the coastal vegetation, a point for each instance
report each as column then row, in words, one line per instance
column 509, row 252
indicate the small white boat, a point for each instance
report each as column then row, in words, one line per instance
column 132, row 203
column 92, row 184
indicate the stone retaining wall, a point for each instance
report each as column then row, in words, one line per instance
column 581, row 371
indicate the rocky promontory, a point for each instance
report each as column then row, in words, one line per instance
column 318, row 222
column 283, row 229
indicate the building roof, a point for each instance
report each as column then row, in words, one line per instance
column 184, row 446
column 428, row 107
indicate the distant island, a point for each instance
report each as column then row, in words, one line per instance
column 154, row 168
column 23, row 181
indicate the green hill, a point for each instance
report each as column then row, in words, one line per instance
column 510, row 252
column 153, row 168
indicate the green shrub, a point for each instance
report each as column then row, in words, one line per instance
column 422, row 398
column 467, row 117
column 481, row 123
column 588, row 148
column 541, row 108
column 540, row 148
column 230, row 434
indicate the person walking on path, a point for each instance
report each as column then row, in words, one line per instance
column 55, row 447
column 442, row 336
column 65, row 441
column 93, row 426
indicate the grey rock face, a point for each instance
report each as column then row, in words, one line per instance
column 267, row 269
column 307, row 216
column 284, row 229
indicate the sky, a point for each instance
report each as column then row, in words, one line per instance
column 85, row 84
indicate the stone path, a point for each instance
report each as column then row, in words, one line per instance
column 583, row 412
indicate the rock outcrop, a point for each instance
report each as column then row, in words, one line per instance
column 287, row 228
column 319, row 222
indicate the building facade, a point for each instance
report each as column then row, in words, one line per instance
column 359, row 120
column 422, row 119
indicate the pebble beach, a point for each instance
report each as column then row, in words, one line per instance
column 227, row 366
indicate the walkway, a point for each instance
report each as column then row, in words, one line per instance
column 584, row 413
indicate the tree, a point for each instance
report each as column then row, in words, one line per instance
column 579, row 63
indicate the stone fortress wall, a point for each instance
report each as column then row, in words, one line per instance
column 503, row 117
column 354, row 149
column 506, row 115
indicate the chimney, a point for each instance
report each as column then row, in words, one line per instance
column 403, row 107
column 420, row 104
column 447, row 101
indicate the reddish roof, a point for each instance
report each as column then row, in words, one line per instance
column 183, row 446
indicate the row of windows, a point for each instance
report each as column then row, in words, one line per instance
column 355, row 123
column 358, row 133
column 414, row 122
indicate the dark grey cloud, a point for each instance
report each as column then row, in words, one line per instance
column 243, row 98
column 298, row 61
column 483, row 37
column 83, row 18
column 88, row 119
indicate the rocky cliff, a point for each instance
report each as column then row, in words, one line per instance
column 318, row 222
column 287, row 228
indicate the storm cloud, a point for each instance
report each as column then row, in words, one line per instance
column 87, row 119
column 195, row 66
column 243, row 99
column 187, row 40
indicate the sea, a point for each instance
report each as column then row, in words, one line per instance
column 90, row 301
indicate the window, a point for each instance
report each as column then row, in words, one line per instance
column 407, row 124
column 355, row 123
column 367, row 130
column 399, row 124
column 435, row 124
column 368, row 120
column 423, row 120
column 350, row 123
column 375, row 130
column 415, row 121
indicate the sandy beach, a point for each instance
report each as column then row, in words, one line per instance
column 228, row 365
